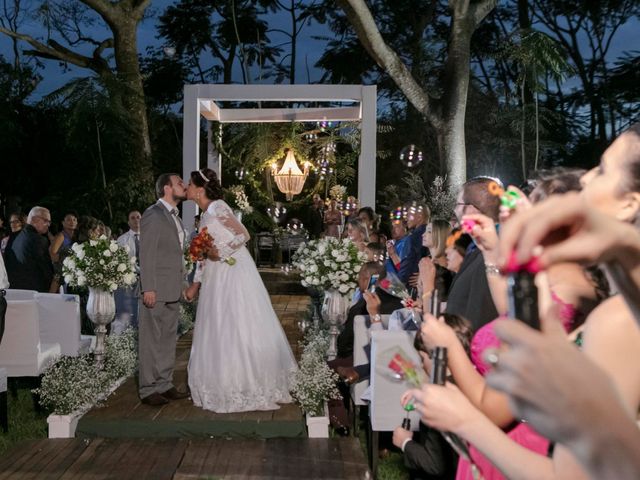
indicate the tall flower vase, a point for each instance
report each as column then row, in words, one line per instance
column 101, row 309
column 334, row 312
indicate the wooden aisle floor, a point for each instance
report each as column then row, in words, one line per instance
column 183, row 459
column 124, row 416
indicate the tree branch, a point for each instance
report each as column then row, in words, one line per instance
column 106, row 9
column 480, row 10
column 362, row 21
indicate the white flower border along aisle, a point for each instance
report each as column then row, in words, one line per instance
column 329, row 263
column 71, row 386
column 314, row 383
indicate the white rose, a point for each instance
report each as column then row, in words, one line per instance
column 81, row 281
column 122, row 267
column 129, row 278
column 343, row 288
column 68, row 278
column 93, row 243
column 101, row 262
column 316, row 281
column 69, row 263
column 357, row 268
column 113, row 286
column 113, row 247
column 313, row 268
column 80, row 254
column 107, row 253
column 133, row 260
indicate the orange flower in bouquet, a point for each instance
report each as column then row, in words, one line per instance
column 200, row 245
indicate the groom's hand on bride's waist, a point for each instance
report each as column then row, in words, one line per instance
column 149, row 299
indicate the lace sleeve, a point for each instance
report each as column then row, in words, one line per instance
column 228, row 220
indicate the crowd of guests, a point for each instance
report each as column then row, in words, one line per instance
column 33, row 253
column 560, row 401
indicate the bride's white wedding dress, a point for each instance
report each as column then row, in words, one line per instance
column 240, row 358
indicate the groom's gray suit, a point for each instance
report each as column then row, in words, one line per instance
column 161, row 270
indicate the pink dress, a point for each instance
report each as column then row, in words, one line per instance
column 521, row 433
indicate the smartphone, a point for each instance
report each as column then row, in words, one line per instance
column 523, row 298
column 372, row 283
column 439, row 366
column 434, row 308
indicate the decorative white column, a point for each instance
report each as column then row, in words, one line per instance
column 190, row 146
column 367, row 159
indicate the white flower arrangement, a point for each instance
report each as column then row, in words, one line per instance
column 240, row 198
column 314, row 382
column 337, row 192
column 76, row 383
column 101, row 264
column 329, row 263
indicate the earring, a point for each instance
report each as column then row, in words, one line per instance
column 198, row 196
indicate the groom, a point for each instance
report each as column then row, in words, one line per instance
column 162, row 238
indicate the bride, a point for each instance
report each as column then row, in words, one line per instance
column 240, row 358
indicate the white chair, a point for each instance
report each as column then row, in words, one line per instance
column 60, row 320
column 385, row 411
column 360, row 341
column 22, row 353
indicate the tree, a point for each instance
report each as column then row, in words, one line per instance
column 123, row 78
column 445, row 112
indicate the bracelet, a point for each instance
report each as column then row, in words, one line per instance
column 376, row 318
column 491, row 269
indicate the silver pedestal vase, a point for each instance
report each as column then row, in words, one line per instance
column 101, row 309
column 334, row 312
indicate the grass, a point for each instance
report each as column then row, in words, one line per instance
column 25, row 422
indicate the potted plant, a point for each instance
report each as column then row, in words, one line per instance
column 72, row 385
column 314, row 383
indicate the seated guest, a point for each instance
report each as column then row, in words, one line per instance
column 89, row 228
column 397, row 247
column 368, row 216
column 358, row 234
column 27, row 261
column 375, row 252
column 387, row 303
column 4, row 285
column 426, row 453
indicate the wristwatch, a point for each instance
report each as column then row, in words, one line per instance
column 376, row 318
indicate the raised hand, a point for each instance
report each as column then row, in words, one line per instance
column 485, row 235
column 436, row 333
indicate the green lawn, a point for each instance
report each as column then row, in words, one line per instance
column 25, row 422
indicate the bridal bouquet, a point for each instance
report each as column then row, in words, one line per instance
column 201, row 244
column 100, row 264
column 329, row 263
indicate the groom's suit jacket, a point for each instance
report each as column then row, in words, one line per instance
column 161, row 256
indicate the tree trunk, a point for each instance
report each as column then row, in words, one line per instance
column 132, row 97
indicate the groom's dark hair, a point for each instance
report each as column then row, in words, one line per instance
column 163, row 180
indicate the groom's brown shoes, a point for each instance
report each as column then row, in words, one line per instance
column 155, row 400
column 174, row 394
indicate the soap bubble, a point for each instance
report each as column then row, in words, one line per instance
column 411, row 155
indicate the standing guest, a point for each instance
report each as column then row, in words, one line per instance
column 316, row 217
column 332, row 220
column 28, row 261
column 417, row 224
column 16, row 224
column 470, row 296
column 88, row 229
column 61, row 245
column 4, row 285
column 127, row 297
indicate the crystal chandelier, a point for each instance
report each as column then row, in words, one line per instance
column 290, row 179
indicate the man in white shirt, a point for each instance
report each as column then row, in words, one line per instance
column 4, row 284
column 127, row 298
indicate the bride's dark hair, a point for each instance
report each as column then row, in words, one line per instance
column 208, row 179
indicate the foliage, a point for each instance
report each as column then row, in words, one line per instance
column 441, row 199
column 100, row 264
column 329, row 263
column 314, row 382
column 76, row 383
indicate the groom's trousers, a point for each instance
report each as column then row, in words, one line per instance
column 157, row 333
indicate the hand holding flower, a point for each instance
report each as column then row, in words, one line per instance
column 444, row 407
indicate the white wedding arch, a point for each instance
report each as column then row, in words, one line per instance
column 200, row 105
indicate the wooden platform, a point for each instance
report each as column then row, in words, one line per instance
column 124, row 416
column 182, row 459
